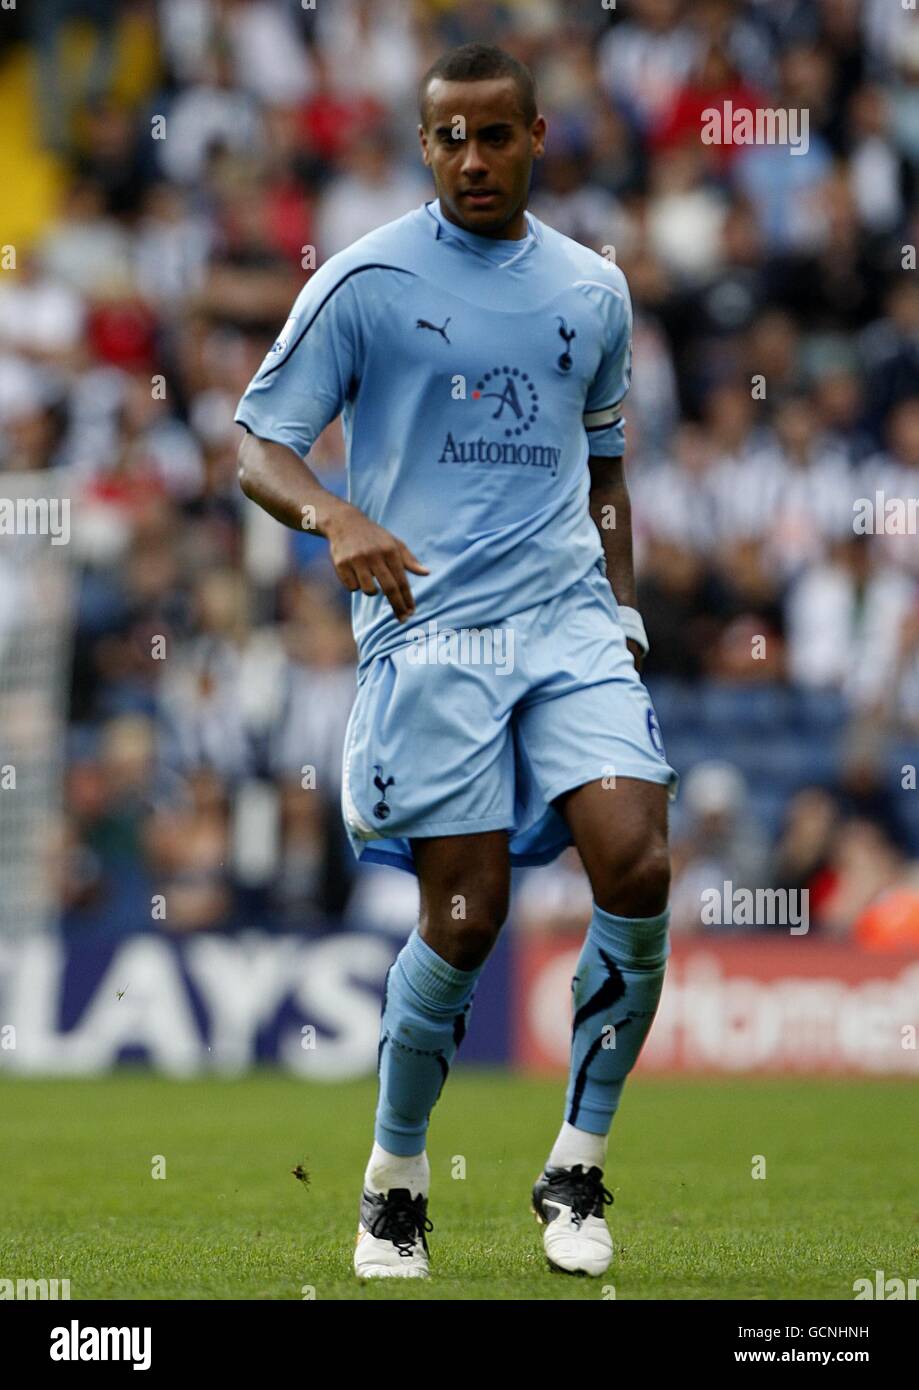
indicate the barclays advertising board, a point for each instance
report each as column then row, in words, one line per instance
column 219, row 1003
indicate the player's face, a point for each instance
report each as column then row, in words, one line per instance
column 481, row 150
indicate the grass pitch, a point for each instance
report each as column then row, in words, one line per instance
column 230, row 1221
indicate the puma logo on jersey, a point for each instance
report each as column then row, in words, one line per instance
column 423, row 323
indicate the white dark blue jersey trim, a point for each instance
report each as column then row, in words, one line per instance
column 601, row 285
column 372, row 265
column 602, row 419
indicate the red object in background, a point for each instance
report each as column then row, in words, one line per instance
column 124, row 489
column 331, row 123
column 821, row 888
column 289, row 220
column 128, row 494
column 746, row 1004
column 684, row 122
column 123, row 334
column 891, row 923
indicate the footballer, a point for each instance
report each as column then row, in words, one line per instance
column 479, row 360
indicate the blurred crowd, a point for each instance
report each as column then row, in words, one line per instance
column 775, row 396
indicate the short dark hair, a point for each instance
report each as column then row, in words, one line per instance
column 477, row 62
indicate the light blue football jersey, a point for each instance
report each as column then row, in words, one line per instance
column 474, row 378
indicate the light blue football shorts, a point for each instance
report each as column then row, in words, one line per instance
column 467, row 730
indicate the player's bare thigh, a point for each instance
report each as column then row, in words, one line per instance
column 621, row 835
column 465, row 892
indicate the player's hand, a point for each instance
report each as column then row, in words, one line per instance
column 637, row 654
column 365, row 555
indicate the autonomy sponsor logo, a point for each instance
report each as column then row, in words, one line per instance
column 516, row 411
column 518, row 396
column 482, row 451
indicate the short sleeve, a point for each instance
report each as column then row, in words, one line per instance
column 603, row 419
column 310, row 369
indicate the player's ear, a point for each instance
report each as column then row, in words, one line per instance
column 424, row 145
column 538, row 136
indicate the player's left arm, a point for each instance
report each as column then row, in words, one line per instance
column 611, row 510
column 610, row 505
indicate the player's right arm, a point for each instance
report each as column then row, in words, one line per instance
column 364, row 554
column 303, row 384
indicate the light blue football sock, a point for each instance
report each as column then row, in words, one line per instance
column 616, row 989
column 425, row 1008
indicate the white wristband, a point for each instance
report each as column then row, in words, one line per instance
column 633, row 627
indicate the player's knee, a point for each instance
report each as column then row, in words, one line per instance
column 481, row 911
column 466, row 944
column 464, row 919
column 638, row 884
column 473, row 942
column 654, row 878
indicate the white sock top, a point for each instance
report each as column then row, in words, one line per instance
column 577, row 1146
column 385, row 1171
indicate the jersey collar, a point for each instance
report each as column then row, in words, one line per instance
column 497, row 252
